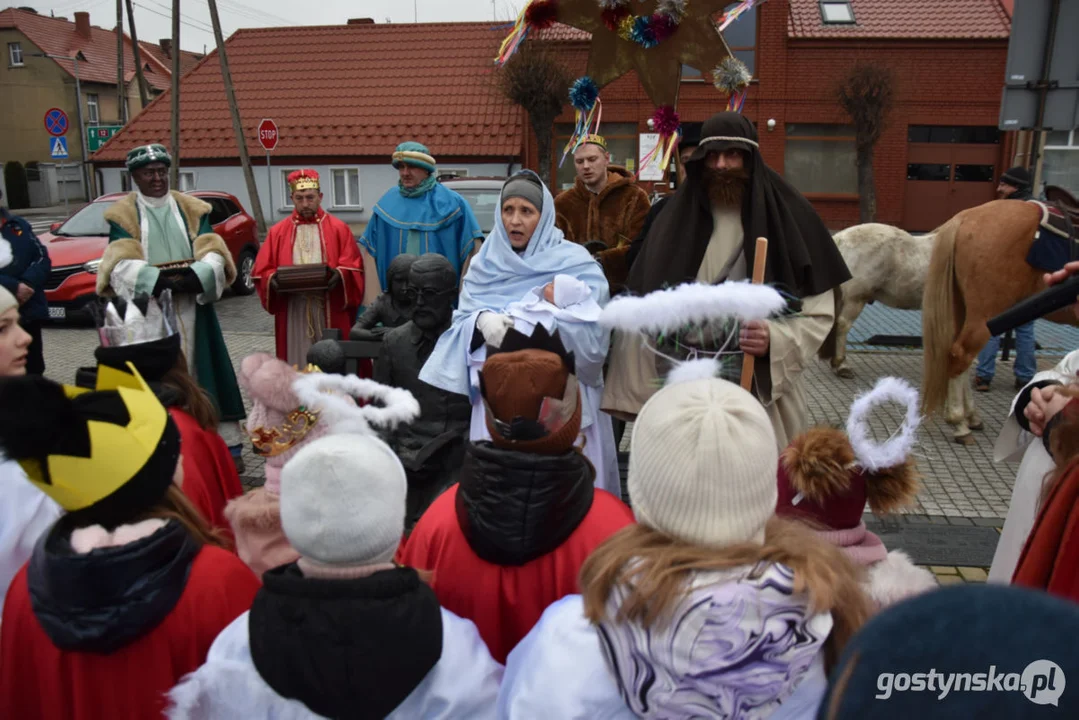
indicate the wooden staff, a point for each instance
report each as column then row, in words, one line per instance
column 760, row 257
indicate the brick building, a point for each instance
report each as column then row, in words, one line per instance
column 941, row 151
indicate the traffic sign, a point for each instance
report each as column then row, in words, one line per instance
column 56, row 122
column 99, row 135
column 268, row 135
column 58, row 148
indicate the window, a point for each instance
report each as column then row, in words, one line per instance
column 220, row 210
column 346, row 188
column 1060, row 165
column 821, row 159
column 92, row 115
column 965, row 135
column 741, row 37
column 14, row 54
column 452, row 172
column 836, row 13
column 187, row 182
column 286, row 191
column 691, row 74
column 929, row 172
column 975, row 173
column 621, row 144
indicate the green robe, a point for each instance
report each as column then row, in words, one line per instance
column 213, row 366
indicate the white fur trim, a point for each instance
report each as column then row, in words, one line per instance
column 217, row 264
column 5, row 253
column 95, row 537
column 691, row 303
column 317, row 392
column 700, row 369
column 896, row 578
column 892, row 452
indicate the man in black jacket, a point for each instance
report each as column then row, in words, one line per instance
column 1015, row 184
column 25, row 279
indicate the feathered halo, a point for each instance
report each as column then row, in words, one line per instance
column 824, row 461
column 692, row 306
column 326, row 394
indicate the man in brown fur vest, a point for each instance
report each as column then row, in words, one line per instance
column 606, row 205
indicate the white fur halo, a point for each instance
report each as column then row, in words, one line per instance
column 691, row 370
column 691, row 304
column 870, row 455
column 316, row 391
column 5, row 253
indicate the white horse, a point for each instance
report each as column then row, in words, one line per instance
column 890, row 266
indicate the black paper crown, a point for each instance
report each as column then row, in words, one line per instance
column 540, row 339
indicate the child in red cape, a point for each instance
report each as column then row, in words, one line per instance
column 510, row 538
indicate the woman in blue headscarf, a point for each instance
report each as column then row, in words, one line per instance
column 528, row 274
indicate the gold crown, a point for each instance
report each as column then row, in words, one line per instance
column 595, row 140
column 117, row 452
column 305, row 183
column 273, row 441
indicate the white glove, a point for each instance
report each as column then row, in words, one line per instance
column 568, row 290
column 493, row 327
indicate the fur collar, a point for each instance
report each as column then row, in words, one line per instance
column 125, row 213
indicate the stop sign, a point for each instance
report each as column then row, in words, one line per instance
column 268, row 134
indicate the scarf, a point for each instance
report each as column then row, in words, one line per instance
column 422, row 189
column 802, row 257
column 859, row 545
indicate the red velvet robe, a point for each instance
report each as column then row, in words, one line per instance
column 38, row 681
column 504, row 602
column 210, row 477
column 1050, row 559
column 339, row 251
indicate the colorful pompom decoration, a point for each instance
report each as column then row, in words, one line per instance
column 642, row 32
column 674, row 9
column 613, row 17
column 733, row 77
column 583, row 94
column 584, row 97
column 541, row 14
column 666, row 123
column 648, row 31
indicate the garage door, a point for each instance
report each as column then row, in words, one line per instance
column 948, row 169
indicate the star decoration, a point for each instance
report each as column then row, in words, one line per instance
column 696, row 42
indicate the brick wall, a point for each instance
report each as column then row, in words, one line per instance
column 953, row 82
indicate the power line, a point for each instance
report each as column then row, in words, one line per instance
column 183, row 16
column 169, row 17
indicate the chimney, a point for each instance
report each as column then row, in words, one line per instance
column 82, row 24
column 361, row 21
column 166, row 46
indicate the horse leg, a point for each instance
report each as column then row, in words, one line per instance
column 974, row 419
column 852, row 308
column 955, row 411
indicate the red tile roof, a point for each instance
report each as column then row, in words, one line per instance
column 563, row 33
column 57, row 36
column 343, row 91
column 905, row 19
column 188, row 59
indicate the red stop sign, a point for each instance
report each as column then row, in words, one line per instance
column 268, row 134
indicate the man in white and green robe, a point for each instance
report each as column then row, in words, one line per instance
column 162, row 240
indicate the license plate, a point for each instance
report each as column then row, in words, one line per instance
column 57, row 313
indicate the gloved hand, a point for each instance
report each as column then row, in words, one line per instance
column 184, row 281
column 493, row 327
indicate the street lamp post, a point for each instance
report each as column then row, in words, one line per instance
column 78, row 110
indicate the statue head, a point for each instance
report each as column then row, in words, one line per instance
column 432, row 285
column 397, row 279
column 328, row 356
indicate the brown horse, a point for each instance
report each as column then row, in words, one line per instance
column 978, row 270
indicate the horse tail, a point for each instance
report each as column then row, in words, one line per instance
column 831, row 343
column 938, row 318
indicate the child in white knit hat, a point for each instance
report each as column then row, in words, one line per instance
column 343, row 632
column 710, row 606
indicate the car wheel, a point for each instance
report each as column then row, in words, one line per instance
column 245, row 266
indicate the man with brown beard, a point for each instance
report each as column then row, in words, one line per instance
column 706, row 233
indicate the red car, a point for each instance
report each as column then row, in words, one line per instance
column 77, row 244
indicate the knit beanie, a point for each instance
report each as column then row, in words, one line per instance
column 1017, row 177
column 7, row 300
column 703, row 464
column 343, row 501
column 525, row 186
column 969, row 651
column 524, row 394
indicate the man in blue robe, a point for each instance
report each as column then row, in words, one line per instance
column 419, row 216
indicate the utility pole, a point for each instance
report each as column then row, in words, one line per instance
column 174, row 171
column 121, row 95
column 237, row 125
column 143, row 95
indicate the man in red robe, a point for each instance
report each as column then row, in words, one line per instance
column 310, row 236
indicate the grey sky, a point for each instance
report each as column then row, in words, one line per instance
column 152, row 17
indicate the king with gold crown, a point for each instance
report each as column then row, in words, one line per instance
column 313, row 238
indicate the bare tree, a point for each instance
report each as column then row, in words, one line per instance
column 534, row 80
column 867, row 94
